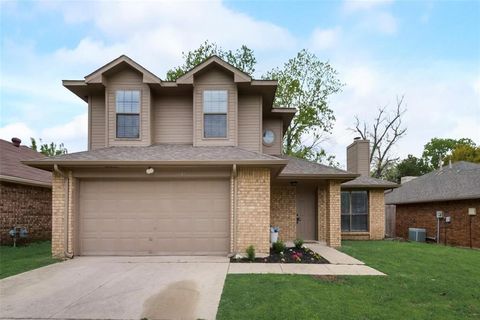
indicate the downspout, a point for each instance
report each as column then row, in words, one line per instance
column 66, row 188
column 234, row 207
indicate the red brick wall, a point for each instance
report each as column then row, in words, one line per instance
column 25, row 206
column 423, row 216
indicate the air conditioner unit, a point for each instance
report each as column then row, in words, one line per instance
column 439, row 214
column 417, row 234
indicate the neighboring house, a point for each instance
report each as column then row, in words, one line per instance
column 453, row 190
column 190, row 167
column 25, row 193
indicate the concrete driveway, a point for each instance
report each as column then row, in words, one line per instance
column 117, row 288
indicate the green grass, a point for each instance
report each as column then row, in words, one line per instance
column 424, row 282
column 20, row 259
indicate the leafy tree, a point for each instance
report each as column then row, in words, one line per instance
column 437, row 149
column 383, row 133
column 410, row 166
column 48, row 149
column 242, row 58
column 306, row 83
column 464, row 152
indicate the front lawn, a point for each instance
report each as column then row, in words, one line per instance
column 424, row 281
column 24, row 258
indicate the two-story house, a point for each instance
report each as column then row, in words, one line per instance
column 194, row 167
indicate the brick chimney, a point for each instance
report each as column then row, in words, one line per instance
column 358, row 157
column 16, row 142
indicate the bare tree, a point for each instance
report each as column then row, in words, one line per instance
column 385, row 131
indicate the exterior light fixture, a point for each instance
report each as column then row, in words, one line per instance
column 150, row 170
column 293, row 183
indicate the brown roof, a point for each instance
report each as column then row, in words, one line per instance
column 160, row 154
column 299, row 168
column 369, row 182
column 12, row 169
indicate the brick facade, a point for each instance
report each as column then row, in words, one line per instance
column 376, row 213
column 283, row 211
column 25, row 206
column 252, row 225
column 58, row 213
column 322, row 213
column 333, row 222
column 423, row 215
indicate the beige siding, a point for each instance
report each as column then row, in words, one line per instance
column 250, row 122
column 358, row 157
column 276, row 126
column 97, row 122
column 215, row 79
column 173, row 119
column 128, row 79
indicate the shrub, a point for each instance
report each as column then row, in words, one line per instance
column 251, row 253
column 298, row 243
column 279, row 246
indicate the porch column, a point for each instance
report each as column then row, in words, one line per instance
column 333, row 214
column 322, row 213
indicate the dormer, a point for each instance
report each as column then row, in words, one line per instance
column 215, row 102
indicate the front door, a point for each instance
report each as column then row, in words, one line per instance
column 306, row 212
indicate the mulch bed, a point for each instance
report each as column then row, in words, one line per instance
column 290, row 255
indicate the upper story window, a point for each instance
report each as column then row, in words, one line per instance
column 354, row 211
column 215, row 106
column 127, row 104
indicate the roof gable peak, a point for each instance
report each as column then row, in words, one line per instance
column 97, row 75
column 238, row 75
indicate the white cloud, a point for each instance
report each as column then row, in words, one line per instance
column 322, row 39
column 386, row 23
column 19, row 130
column 73, row 133
column 362, row 5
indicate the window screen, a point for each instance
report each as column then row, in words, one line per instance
column 127, row 105
column 354, row 210
column 215, row 105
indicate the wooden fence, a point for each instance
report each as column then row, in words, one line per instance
column 390, row 221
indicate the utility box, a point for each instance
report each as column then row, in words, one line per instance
column 417, row 234
column 472, row 211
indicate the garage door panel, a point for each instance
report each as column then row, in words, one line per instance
column 154, row 217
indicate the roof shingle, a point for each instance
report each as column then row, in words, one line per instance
column 299, row 167
column 165, row 153
column 11, row 165
column 461, row 181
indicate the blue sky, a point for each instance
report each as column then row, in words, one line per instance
column 428, row 51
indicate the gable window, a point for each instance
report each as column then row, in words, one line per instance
column 354, row 211
column 127, row 104
column 215, row 106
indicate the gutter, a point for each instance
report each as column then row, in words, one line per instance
column 44, row 164
column 66, row 202
column 234, row 207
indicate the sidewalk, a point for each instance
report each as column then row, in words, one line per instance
column 340, row 264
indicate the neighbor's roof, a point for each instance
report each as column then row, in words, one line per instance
column 370, row 183
column 461, row 181
column 299, row 168
column 159, row 154
column 13, row 170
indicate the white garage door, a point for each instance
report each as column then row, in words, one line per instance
column 174, row 217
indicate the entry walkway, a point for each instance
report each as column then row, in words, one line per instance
column 340, row 264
